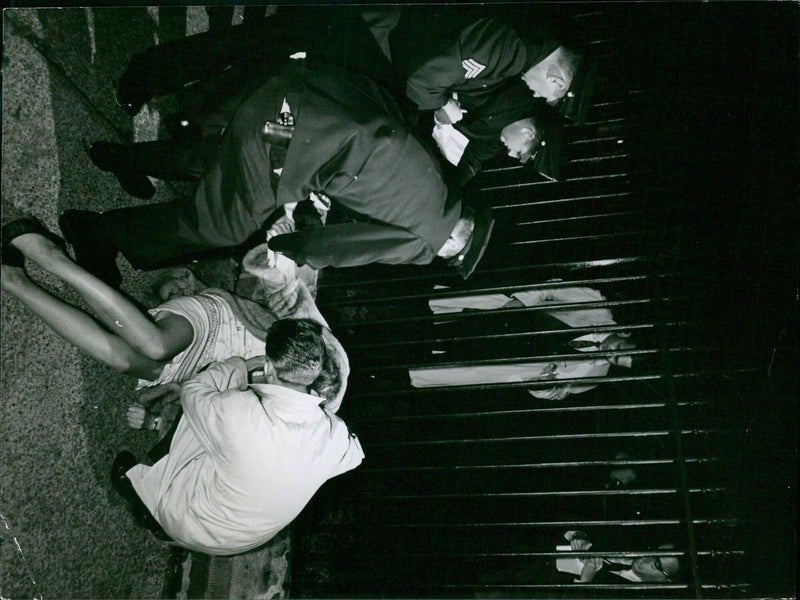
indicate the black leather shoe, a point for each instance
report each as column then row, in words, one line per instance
column 12, row 256
column 123, row 462
column 84, row 231
column 123, row 486
column 131, row 107
column 134, row 88
column 113, row 157
column 130, row 94
column 9, row 255
column 288, row 244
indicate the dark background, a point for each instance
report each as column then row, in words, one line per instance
column 711, row 92
column 711, row 95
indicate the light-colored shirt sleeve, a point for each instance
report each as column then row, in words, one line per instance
column 459, row 303
column 352, row 453
column 203, row 398
column 580, row 317
column 450, row 141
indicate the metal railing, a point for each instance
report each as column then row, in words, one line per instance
column 468, row 487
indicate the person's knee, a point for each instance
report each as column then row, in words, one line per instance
column 128, row 361
column 158, row 349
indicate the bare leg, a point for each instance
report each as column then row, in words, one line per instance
column 157, row 341
column 77, row 327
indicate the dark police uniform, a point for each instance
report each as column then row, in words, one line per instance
column 458, row 50
column 336, row 35
column 487, row 115
column 359, row 153
column 350, row 143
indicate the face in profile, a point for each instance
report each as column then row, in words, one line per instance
column 544, row 87
column 655, row 568
column 547, row 79
column 519, row 138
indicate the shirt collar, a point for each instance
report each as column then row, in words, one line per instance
column 627, row 574
column 283, row 398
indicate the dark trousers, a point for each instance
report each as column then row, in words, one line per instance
column 137, row 508
column 161, row 449
column 337, row 36
column 223, row 66
column 149, row 235
column 182, row 160
column 228, row 205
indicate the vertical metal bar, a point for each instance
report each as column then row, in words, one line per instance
column 672, row 408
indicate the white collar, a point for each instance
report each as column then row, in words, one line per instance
column 628, row 574
column 284, row 398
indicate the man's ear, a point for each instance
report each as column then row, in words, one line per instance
column 528, row 133
column 555, row 77
column 269, row 372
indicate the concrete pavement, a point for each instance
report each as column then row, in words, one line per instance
column 63, row 533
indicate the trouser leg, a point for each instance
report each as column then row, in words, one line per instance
column 167, row 68
column 219, row 17
column 353, row 244
column 381, row 20
column 150, row 236
column 337, row 35
column 169, row 233
column 344, row 39
column 138, row 510
column 254, row 15
column 167, row 160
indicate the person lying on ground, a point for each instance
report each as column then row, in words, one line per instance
column 243, row 461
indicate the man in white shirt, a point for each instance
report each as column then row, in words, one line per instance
column 247, row 457
column 551, row 370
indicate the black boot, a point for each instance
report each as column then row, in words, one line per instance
column 136, row 86
column 85, row 231
column 115, row 158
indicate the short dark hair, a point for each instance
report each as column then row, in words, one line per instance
column 296, row 349
column 329, row 382
column 569, row 60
